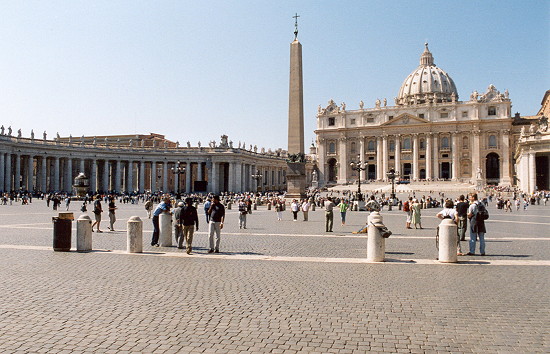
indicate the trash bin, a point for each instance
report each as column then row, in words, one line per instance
column 62, row 229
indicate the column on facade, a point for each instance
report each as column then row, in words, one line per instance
column 165, row 176
column 506, row 158
column 141, row 176
column 456, row 163
column 343, row 161
column 363, row 175
column 2, row 170
column 398, row 153
column 429, row 161
column 69, row 174
column 105, row 178
column 385, row 157
column 30, row 173
column 130, row 177
column 532, row 168
column 435, row 150
column 476, row 154
column 379, row 167
column 188, row 175
column 93, row 176
column 321, row 154
column 17, row 172
column 416, row 164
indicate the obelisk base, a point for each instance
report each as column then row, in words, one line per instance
column 296, row 180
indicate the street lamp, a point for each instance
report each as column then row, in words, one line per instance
column 257, row 177
column 391, row 174
column 359, row 167
column 178, row 170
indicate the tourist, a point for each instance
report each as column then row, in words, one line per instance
column 477, row 225
column 449, row 213
column 462, row 215
column 243, row 211
column 295, row 208
column 207, row 205
column 372, row 204
column 97, row 212
column 216, row 213
column 149, row 207
column 112, row 207
column 189, row 219
column 305, row 208
column 416, row 215
column 343, row 206
column 279, row 210
column 67, row 202
column 178, row 228
column 163, row 207
column 407, row 209
column 329, row 216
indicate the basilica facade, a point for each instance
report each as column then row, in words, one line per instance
column 428, row 134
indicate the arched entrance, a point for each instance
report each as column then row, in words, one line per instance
column 407, row 170
column 371, row 172
column 332, row 173
column 422, row 174
column 492, row 168
column 445, row 170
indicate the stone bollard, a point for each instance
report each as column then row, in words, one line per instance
column 268, row 206
column 448, row 239
column 165, row 223
column 376, row 244
column 313, row 206
column 254, row 206
column 134, row 235
column 229, row 206
column 83, row 233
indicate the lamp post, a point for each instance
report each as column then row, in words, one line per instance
column 391, row 174
column 359, row 167
column 178, row 170
column 257, row 177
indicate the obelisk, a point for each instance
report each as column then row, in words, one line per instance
column 296, row 172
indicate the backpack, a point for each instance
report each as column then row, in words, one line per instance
column 482, row 212
column 406, row 206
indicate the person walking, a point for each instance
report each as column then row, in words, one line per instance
column 462, row 217
column 329, row 216
column 416, row 215
column 216, row 212
column 305, row 209
column 97, row 213
column 207, row 205
column 243, row 211
column 178, row 227
column 112, row 218
column 343, row 206
column 279, row 210
column 189, row 219
column 295, row 207
column 477, row 225
column 163, row 207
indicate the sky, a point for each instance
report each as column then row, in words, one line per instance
column 194, row 70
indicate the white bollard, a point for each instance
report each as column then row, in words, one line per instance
column 448, row 239
column 376, row 244
column 134, row 235
column 83, row 233
column 165, row 223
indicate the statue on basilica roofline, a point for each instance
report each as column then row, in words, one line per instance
column 44, row 135
column 2, row 130
column 543, row 124
column 188, row 144
column 32, row 134
column 385, row 102
column 361, row 104
column 377, row 103
column 19, row 135
column 9, row 130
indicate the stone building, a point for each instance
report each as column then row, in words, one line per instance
column 136, row 163
column 428, row 134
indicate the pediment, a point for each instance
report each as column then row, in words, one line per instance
column 405, row 119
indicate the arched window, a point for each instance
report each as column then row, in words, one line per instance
column 445, row 142
column 465, row 142
column 332, row 148
column 392, row 145
column 353, row 148
column 492, row 141
column 371, row 146
column 407, row 144
column 422, row 144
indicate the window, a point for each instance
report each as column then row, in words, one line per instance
column 407, row 144
column 371, row 146
column 422, row 144
column 331, row 121
column 392, row 145
column 492, row 141
column 464, row 114
column 445, row 143
column 370, row 120
column 444, row 115
column 332, row 148
column 421, row 115
column 390, row 117
column 465, row 143
column 353, row 148
column 352, row 121
column 492, row 111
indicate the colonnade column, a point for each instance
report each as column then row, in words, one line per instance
column 379, row 167
column 199, row 171
column 7, row 176
column 429, row 156
column 398, row 153
column 105, row 175
column 30, row 173
column 231, row 177
column 321, row 151
column 43, row 174
column 130, row 179
column 93, row 176
column 2, row 167
column 117, row 187
column 362, row 174
column 416, row 167
column 506, row 158
column 188, row 174
column 455, row 153
column 165, row 176
column 17, row 174
column 238, row 177
column 384, row 156
column 436, row 156
column 532, row 173
column 82, row 166
column 214, row 180
column 69, row 175
column 55, row 184
column 141, row 176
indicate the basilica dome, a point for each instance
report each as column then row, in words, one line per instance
column 427, row 84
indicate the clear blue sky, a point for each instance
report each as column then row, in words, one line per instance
column 196, row 70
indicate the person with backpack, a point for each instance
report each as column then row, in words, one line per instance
column 477, row 213
column 407, row 209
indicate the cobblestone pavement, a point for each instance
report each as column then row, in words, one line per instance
column 276, row 287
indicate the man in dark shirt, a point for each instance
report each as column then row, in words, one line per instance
column 188, row 218
column 217, row 216
column 462, row 212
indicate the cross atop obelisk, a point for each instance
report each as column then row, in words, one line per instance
column 295, row 17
